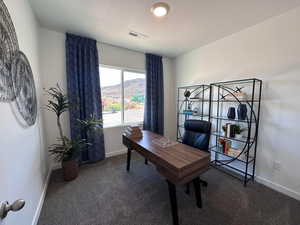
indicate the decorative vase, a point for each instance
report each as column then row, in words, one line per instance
column 231, row 113
column 242, row 111
column 187, row 93
column 70, row 169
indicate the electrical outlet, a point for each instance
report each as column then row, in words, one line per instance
column 276, row 165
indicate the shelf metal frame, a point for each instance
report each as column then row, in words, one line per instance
column 216, row 101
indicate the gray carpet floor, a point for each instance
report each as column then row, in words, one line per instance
column 105, row 194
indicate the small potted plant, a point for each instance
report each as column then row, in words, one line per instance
column 66, row 150
column 238, row 131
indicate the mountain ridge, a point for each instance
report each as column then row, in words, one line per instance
column 131, row 88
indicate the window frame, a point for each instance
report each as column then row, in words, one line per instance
column 123, row 70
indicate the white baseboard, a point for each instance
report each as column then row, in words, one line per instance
column 42, row 198
column 115, row 153
column 278, row 187
column 56, row 165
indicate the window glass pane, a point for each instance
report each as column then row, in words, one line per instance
column 111, row 89
column 134, row 97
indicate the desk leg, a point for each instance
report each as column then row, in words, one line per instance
column 128, row 158
column 173, row 200
column 197, row 187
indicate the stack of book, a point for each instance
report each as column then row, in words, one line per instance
column 226, row 145
column 230, row 130
column 234, row 152
column 133, row 132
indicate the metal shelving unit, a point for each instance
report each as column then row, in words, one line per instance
column 195, row 106
column 215, row 99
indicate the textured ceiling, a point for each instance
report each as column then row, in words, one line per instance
column 190, row 23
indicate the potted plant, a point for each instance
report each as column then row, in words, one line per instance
column 66, row 150
column 238, row 131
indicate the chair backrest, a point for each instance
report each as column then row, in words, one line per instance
column 197, row 134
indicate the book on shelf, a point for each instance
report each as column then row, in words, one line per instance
column 234, row 152
column 230, row 130
column 226, row 145
column 188, row 112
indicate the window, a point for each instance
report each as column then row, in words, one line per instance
column 123, row 96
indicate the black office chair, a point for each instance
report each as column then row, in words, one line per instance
column 197, row 135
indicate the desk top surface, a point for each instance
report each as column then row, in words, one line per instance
column 178, row 156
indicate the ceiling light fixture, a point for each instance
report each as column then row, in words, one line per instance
column 160, row 9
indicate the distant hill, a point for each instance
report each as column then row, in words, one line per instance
column 131, row 88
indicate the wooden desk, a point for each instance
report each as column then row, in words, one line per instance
column 179, row 164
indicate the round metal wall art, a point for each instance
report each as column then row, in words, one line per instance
column 24, row 88
column 8, row 49
column 16, row 78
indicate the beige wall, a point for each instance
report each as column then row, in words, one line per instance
column 52, row 51
column 120, row 57
column 53, row 69
column 170, row 99
column 269, row 51
column 23, row 157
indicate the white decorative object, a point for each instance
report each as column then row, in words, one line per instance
column 164, row 142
